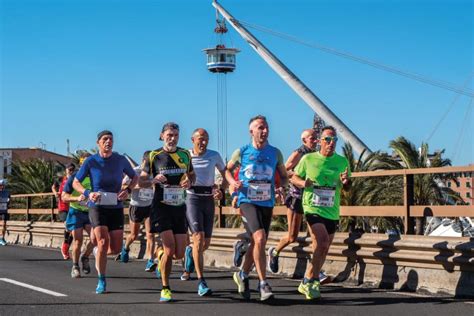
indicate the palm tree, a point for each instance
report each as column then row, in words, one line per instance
column 366, row 191
column 428, row 188
column 33, row 176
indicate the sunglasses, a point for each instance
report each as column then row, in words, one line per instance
column 329, row 139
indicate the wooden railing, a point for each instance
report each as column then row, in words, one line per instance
column 408, row 211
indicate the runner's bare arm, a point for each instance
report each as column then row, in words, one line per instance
column 144, row 180
column 292, row 161
column 300, row 183
column 67, row 197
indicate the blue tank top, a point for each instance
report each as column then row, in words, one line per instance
column 257, row 173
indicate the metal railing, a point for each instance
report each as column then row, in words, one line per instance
column 408, row 211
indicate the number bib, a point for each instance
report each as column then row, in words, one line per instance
column 145, row 194
column 323, row 196
column 173, row 195
column 107, row 198
column 3, row 207
column 259, row 191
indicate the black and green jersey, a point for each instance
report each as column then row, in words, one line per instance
column 173, row 165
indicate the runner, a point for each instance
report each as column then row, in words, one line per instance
column 4, row 216
column 77, row 220
column 259, row 164
column 105, row 170
column 63, row 208
column 293, row 200
column 139, row 211
column 322, row 175
column 200, row 207
column 172, row 172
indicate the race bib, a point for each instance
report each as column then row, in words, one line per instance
column 107, row 198
column 173, row 195
column 259, row 191
column 145, row 194
column 3, row 207
column 323, row 196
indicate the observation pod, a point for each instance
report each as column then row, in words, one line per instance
column 221, row 59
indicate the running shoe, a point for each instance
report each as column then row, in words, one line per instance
column 188, row 260
column 185, row 276
column 3, row 242
column 150, row 265
column 203, row 289
column 242, row 285
column 86, row 267
column 165, row 295
column 65, row 250
column 323, row 278
column 101, row 286
column 124, row 255
column 240, row 248
column 314, row 290
column 309, row 290
column 75, row 272
column 272, row 260
column 266, row 292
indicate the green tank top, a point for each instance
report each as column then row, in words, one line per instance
column 81, row 206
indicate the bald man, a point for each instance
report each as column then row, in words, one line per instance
column 293, row 203
column 200, row 203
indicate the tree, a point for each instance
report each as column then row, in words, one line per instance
column 33, row 176
column 367, row 191
column 429, row 189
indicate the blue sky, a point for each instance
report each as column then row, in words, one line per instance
column 72, row 68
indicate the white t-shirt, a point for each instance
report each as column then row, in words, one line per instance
column 140, row 197
column 205, row 167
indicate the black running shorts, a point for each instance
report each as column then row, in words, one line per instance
column 165, row 217
column 138, row 214
column 62, row 216
column 111, row 217
column 256, row 217
column 294, row 204
column 330, row 224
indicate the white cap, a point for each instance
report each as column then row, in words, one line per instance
column 3, row 181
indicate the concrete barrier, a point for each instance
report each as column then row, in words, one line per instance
column 407, row 262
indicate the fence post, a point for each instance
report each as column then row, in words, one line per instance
column 53, row 217
column 28, row 206
column 408, row 199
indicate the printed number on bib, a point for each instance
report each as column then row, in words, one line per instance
column 173, row 195
column 3, row 206
column 258, row 191
column 323, row 196
column 145, row 194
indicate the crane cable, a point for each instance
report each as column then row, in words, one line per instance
column 453, row 102
column 437, row 83
column 465, row 123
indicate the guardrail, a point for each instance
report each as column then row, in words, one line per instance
column 408, row 211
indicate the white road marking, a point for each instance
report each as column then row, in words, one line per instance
column 35, row 288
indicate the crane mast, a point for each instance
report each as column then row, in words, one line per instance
column 295, row 83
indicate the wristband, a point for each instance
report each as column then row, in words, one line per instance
column 234, row 194
column 129, row 190
column 86, row 193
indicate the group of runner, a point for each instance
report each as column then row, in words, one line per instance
column 173, row 191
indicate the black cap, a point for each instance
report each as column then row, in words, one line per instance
column 103, row 133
